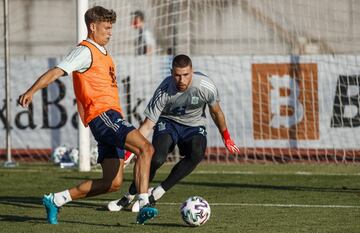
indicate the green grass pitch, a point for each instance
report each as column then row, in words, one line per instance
column 243, row 198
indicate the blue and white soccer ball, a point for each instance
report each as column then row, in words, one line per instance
column 62, row 154
column 59, row 154
column 195, row 211
column 94, row 155
column 74, row 156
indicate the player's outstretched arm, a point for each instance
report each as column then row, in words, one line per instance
column 219, row 119
column 42, row 82
column 146, row 127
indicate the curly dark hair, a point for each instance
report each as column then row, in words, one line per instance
column 99, row 14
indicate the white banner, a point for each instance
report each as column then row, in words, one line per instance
column 268, row 101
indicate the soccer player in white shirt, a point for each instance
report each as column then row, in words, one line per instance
column 176, row 112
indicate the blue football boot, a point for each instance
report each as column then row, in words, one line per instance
column 146, row 212
column 51, row 209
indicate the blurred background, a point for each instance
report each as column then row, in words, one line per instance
column 203, row 27
column 287, row 71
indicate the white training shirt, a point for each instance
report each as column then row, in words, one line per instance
column 79, row 59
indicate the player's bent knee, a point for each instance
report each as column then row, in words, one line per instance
column 147, row 150
column 197, row 157
column 162, row 143
column 198, row 151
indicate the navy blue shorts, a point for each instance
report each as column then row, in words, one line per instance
column 179, row 133
column 110, row 131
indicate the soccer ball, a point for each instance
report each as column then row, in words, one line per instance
column 195, row 211
column 59, row 154
column 93, row 155
column 74, row 156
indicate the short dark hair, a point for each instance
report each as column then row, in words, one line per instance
column 99, row 14
column 181, row 61
column 139, row 14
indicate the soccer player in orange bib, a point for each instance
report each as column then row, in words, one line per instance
column 99, row 108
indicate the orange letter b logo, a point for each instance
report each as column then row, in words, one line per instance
column 285, row 103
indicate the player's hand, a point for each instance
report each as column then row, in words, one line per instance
column 25, row 99
column 229, row 143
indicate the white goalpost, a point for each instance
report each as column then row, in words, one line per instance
column 84, row 133
column 9, row 161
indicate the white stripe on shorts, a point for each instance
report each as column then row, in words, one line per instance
column 108, row 122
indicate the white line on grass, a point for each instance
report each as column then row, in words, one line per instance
column 250, row 204
column 275, row 205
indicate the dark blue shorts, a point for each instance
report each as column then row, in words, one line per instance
column 179, row 133
column 110, row 131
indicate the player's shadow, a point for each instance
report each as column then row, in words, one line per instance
column 342, row 189
column 104, row 208
column 16, row 218
column 36, row 202
column 177, row 225
column 81, row 204
column 26, row 202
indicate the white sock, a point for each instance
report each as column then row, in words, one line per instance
column 129, row 196
column 61, row 198
column 143, row 199
column 158, row 192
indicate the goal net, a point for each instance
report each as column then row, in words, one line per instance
column 287, row 71
column 288, row 74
